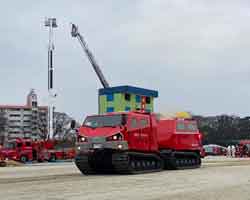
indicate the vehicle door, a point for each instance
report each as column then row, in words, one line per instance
column 144, row 142
column 11, row 149
column 133, row 132
column 19, row 149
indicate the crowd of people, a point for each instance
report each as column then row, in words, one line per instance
column 238, row 150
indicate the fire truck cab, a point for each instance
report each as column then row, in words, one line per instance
column 18, row 149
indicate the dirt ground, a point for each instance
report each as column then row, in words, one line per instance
column 218, row 178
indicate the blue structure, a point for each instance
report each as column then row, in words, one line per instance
column 125, row 98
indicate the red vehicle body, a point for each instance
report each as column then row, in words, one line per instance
column 27, row 150
column 18, row 149
column 132, row 142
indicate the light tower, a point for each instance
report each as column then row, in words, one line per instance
column 51, row 23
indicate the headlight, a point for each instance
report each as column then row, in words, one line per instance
column 82, row 139
column 115, row 137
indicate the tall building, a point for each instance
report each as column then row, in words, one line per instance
column 25, row 121
column 126, row 98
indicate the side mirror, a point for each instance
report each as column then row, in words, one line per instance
column 73, row 124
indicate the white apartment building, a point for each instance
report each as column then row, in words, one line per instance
column 25, row 121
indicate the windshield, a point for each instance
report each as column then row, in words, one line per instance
column 10, row 145
column 105, row 121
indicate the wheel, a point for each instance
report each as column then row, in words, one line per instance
column 3, row 164
column 138, row 164
column 23, row 159
column 159, row 165
column 133, row 164
column 153, row 164
column 52, row 158
column 177, row 162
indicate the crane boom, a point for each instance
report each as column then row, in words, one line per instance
column 75, row 33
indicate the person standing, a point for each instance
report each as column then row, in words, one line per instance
column 233, row 151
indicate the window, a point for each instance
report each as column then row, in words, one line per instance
column 148, row 100
column 14, row 132
column 110, row 97
column 105, row 120
column 180, row 126
column 15, row 109
column 138, row 99
column 143, row 123
column 15, row 121
column 110, row 109
column 34, row 104
column 191, row 127
column 134, row 123
column 14, row 127
column 127, row 108
column 10, row 145
column 15, row 115
column 127, row 97
column 138, row 108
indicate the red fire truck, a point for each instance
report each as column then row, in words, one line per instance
column 135, row 142
column 25, row 150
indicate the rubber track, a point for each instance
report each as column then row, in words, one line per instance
column 125, row 166
column 174, row 162
column 83, row 164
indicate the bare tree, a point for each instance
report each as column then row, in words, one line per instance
column 61, row 124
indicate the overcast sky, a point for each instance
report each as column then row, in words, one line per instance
column 196, row 53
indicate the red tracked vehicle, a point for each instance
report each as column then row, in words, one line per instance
column 135, row 142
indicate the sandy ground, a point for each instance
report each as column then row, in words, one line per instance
column 218, row 178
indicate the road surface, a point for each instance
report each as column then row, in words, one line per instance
column 218, row 178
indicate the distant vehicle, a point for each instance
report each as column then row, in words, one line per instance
column 215, row 150
column 135, row 142
column 25, row 150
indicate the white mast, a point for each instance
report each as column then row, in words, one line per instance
column 51, row 23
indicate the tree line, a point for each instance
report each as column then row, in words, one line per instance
column 224, row 129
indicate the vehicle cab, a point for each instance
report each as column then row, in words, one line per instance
column 17, row 149
column 116, row 131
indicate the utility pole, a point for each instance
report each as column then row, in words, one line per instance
column 51, row 23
